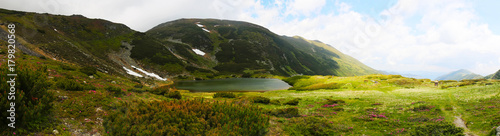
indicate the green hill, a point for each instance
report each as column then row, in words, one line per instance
column 349, row 65
column 185, row 48
column 460, row 75
column 496, row 75
column 241, row 47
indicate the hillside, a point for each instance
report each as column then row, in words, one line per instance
column 349, row 66
column 459, row 75
column 241, row 47
column 183, row 49
column 496, row 75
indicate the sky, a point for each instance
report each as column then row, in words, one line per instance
column 423, row 37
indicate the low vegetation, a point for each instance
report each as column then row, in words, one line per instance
column 63, row 98
column 186, row 117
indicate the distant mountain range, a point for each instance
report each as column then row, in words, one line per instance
column 405, row 75
column 460, row 75
column 201, row 48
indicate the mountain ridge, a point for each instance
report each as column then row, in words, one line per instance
column 183, row 48
column 460, row 75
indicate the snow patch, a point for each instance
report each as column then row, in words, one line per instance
column 133, row 73
column 55, row 29
column 205, row 30
column 150, row 74
column 199, row 52
column 199, row 25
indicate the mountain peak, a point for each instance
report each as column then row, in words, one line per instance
column 460, row 75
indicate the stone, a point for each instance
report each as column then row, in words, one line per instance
column 498, row 131
column 55, row 132
column 91, row 77
column 113, row 82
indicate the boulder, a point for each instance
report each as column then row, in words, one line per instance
column 498, row 131
column 55, row 132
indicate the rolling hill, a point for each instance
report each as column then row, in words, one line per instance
column 184, row 48
column 459, row 75
column 495, row 75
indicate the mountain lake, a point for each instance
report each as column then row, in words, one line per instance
column 233, row 84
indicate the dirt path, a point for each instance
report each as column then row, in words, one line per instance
column 459, row 122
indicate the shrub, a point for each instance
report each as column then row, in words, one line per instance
column 275, row 102
column 162, row 90
column 174, row 94
column 185, row 117
column 338, row 109
column 138, row 86
column 287, row 112
column 33, row 103
column 88, row 70
column 292, row 102
column 328, row 101
column 137, row 90
column 260, row 99
column 72, row 85
column 67, row 67
column 315, row 126
column 423, row 108
column 115, row 90
column 441, row 129
column 224, row 95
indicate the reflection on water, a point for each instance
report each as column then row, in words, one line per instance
column 233, row 84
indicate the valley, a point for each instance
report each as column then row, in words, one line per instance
column 81, row 76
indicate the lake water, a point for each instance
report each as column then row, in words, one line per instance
column 233, row 84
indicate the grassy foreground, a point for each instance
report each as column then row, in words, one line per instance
column 74, row 100
column 388, row 107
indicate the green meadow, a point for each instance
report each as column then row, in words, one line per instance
column 393, row 105
column 66, row 99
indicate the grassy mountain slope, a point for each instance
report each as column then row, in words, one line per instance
column 97, row 43
column 349, row 66
column 240, row 47
column 460, row 75
column 233, row 48
column 496, row 75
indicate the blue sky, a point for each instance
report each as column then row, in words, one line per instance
column 423, row 37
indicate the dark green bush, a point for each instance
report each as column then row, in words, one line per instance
column 88, row 70
column 275, row 102
column 315, row 126
column 287, row 112
column 224, row 95
column 260, row 99
column 292, row 102
column 186, row 117
column 163, row 90
column 328, row 101
column 338, row 109
column 137, row 90
column 423, row 108
column 441, row 129
column 138, row 86
column 136, row 80
column 71, row 85
column 115, row 90
column 174, row 94
column 33, row 103
column 67, row 67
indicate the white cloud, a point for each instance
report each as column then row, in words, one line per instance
column 442, row 36
column 305, row 7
